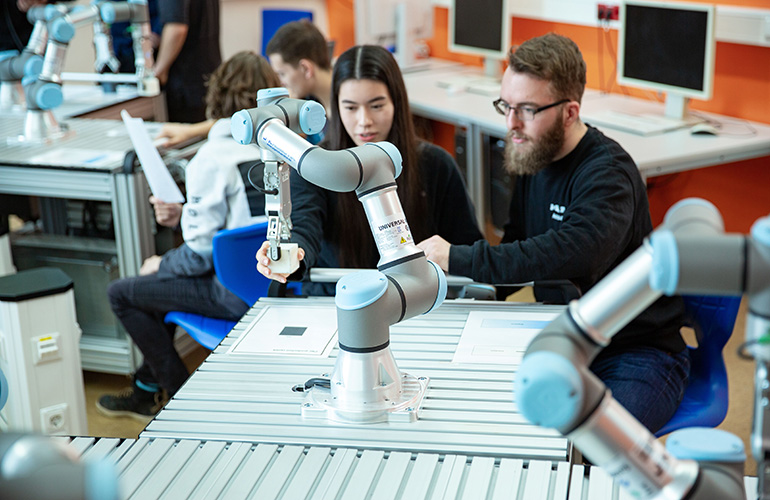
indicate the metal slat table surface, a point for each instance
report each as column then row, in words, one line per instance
column 151, row 469
column 468, row 409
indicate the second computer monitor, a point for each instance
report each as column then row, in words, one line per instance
column 480, row 27
column 669, row 47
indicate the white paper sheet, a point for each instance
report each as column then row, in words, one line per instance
column 310, row 331
column 79, row 157
column 499, row 337
column 158, row 177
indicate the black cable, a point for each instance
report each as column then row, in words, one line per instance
column 743, row 352
column 259, row 188
column 312, row 382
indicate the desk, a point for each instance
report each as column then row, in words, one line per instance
column 187, row 468
column 90, row 101
column 654, row 155
column 65, row 176
column 467, row 410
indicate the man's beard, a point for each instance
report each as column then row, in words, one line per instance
column 540, row 155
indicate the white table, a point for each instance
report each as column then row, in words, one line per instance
column 654, row 155
column 468, row 409
column 89, row 165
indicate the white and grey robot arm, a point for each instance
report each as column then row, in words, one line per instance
column 35, row 467
column 275, row 124
column 45, row 92
column 137, row 13
column 366, row 384
column 728, row 264
column 14, row 66
column 555, row 388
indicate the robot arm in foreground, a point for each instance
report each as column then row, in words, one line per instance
column 555, row 388
column 366, row 385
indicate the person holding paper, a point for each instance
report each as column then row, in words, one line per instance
column 183, row 279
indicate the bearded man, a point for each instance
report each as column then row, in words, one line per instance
column 578, row 209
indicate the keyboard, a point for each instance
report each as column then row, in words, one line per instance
column 472, row 84
column 640, row 124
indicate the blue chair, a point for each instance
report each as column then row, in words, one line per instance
column 4, row 389
column 705, row 400
column 236, row 268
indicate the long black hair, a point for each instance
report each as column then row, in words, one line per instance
column 350, row 231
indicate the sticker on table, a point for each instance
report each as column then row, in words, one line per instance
column 499, row 337
column 281, row 330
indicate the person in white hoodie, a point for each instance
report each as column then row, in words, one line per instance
column 183, row 279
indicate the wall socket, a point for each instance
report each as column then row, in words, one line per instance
column 607, row 12
column 53, row 419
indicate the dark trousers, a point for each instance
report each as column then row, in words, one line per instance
column 141, row 302
column 648, row 382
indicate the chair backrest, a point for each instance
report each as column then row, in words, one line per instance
column 713, row 319
column 4, row 389
column 235, row 263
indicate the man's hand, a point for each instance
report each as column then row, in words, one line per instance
column 166, row 214
column 436, row 249
column 150, row 265
column 263, row 261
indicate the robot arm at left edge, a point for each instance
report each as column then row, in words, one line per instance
column 44, row 92
column 555, row 388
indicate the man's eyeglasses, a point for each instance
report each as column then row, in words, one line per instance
column 523, row 113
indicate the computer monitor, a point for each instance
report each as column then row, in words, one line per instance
column 669, row 47
column 397, row 25
column 481, row 27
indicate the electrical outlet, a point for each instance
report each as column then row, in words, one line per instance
column 607, row 12
column 53, row 419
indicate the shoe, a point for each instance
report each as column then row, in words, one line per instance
column 131, row 402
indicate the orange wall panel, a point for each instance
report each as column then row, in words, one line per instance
column 341, row 24
column 738, row 189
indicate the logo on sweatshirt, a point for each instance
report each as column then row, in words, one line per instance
column 557, row 211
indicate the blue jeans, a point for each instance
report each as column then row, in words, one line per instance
column 648, row 382
column 141, row 303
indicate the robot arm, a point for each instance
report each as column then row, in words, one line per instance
column 555, row 388
column 366, row 384
column 14, row 66
column 35, row 467
column 137, row 13
column 105, row 60
column 45, row 93
column 734, row 264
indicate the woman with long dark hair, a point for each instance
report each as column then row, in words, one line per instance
column 369, row 104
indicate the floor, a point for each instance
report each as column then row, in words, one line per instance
column 738, row 420
column 98, row 384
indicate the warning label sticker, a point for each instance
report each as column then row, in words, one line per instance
column 391, row 233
